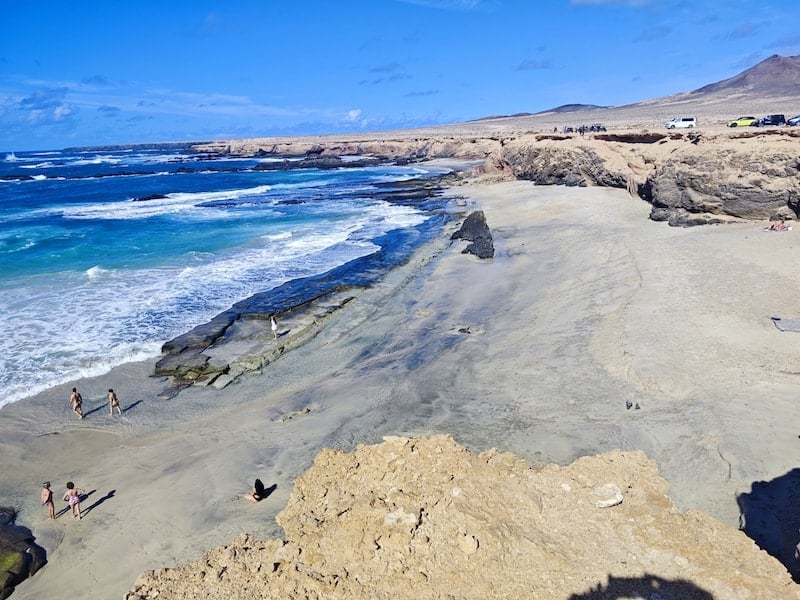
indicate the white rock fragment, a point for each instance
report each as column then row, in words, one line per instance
column 468, row 544
column 609, row 494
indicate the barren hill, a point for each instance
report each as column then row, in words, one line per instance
column 775, row 76
column 771, row 86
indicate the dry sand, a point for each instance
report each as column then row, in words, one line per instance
column 586, row 306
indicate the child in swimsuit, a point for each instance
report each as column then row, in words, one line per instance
column 47, row 499
column 73, row 496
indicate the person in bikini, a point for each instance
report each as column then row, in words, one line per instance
column 77, row 403
column 73, row 497
column 113, row 402
column 778, row 226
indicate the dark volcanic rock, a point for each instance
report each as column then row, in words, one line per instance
column 184, row 359
column 149, row 197
column 202, row 336
column 475, row 230
column 315, row 161
column 20, row 558
column 179, row 365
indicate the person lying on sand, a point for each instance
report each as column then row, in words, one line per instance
column 778, row 226
column 257, row 493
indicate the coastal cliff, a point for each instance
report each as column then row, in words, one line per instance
column 425, row 518
column 690, row 178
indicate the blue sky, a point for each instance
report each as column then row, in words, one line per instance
column 89, row 72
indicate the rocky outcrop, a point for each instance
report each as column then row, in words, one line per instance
column 425, row 518
column 240, row 340
column 747, row 181
column 475, row 230
column 552, row 164
column 690, row 178
column 20, row 557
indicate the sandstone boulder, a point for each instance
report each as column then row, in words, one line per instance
column 425, row 518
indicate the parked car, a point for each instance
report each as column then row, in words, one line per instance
column 743, row 122
column 771, row 120
column 679, row 122
column 795, row 120
column 597, row 127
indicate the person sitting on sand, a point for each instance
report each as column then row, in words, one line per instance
column 77, row 403
column 47, row 500
column 73, row 496
column 113, row 402
column 257, row 493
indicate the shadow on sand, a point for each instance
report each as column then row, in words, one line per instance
column 94, row 410
column 67, row 508
column 130, row 407
column 98, row 502
column 268, row 491
column 648, row 586
column 770, row 516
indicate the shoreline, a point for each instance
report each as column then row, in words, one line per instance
column 586, row 305
column 425, row 193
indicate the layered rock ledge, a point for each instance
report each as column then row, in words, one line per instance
column 240, row 340
column 425, row 518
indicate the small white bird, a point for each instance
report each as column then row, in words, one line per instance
column 274, row 325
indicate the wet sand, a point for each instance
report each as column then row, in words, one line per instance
column 587, row 306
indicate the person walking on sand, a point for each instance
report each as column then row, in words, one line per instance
column 77, row 403
column 113, row 402
column 47, row 500
column 274, row 325
column 73, row 497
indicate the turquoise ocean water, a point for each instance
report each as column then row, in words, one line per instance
column 105, row 254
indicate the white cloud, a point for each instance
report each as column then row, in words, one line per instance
column 62, row 112
column 353, row 116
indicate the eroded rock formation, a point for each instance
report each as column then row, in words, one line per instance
column 690, row 178
column 425, row 518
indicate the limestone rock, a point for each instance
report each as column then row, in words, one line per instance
column 746, row 181
column 425, row 518
column 690, row 178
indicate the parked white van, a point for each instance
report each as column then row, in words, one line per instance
column 679, row 122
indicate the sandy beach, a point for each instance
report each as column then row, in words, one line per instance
column 586, row 306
